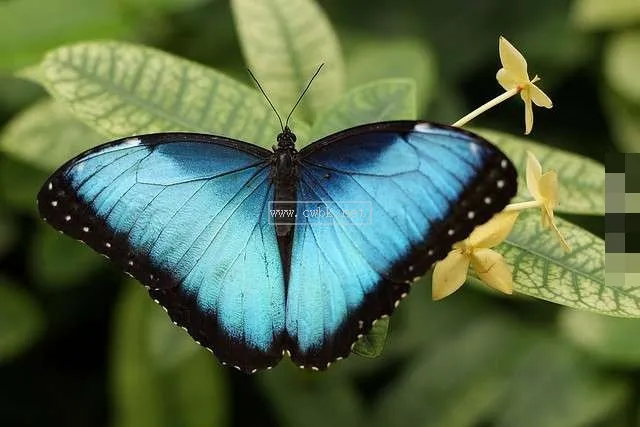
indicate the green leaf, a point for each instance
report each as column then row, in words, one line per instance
column 600, row 15
column 59, row 262
column 610, row 339
column 553, row 386
column 123, row 89
column 28, row 28
column 161, row 377
column 373, row 60
column 46, row 135
column 542, row 269
column 19, row 185
column 389, row 99
column 21, row 321
column 309, row 399
column 284, row 42
column 581, row 180
column 372, row 344
column 621, row 63
column 457, row 380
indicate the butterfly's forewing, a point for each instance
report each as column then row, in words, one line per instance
column 410, row 191
column 186, row 215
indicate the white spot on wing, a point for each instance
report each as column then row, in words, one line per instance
column 67, row 218
column 85, row 229
column 54, row 203
column 132, row 142
column 422, row 127
column 50, row 186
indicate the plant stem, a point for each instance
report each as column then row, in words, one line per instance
column 495, row 101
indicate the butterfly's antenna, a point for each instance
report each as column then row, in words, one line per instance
column 267, row 98
column 302, row 94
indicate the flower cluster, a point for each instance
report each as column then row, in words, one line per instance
column 475, row 251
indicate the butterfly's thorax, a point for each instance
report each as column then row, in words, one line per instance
column 284, row 175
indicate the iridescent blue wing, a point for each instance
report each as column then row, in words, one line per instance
column 400, row 193
column 186, row 215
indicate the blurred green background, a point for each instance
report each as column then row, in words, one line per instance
column 82, row 346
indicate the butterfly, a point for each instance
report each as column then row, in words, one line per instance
column 228, row 236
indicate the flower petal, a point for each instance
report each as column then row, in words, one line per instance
column 507, row 79
column 494, row 231
column 513, row 60
column 539, row 97
column 548, row 188
column 493, row 270
column 528, row 111
column 534, row 173
column 449, row 274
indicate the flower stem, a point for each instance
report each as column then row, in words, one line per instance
column 495, row 101
column 522, row 205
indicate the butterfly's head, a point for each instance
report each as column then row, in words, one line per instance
column 286, row 139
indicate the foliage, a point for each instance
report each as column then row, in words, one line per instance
column 472, row 359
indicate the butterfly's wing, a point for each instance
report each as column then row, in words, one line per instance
column 186, row 215
column 402, row 193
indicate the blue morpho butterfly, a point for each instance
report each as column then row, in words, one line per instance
column 262, row 253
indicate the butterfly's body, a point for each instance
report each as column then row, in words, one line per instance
column 284, row 175
column 193, row 218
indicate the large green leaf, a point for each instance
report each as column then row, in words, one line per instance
column 304, row 399
column 59, row 262
column 284, row 42
column 161, row 377
column 21, row 321
column 457, row 381
column 373, row 60
column 621, row 64
column 581, row 179
column 388, row 99
column 28, row 28
column 608, row 338
column 122, row 89
column 46, row 135
column 554, row 386
column 598, row 14
column 542, row 269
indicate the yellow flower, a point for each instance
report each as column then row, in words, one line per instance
column 544, row 189
column 450, row 273
column 513, row 75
